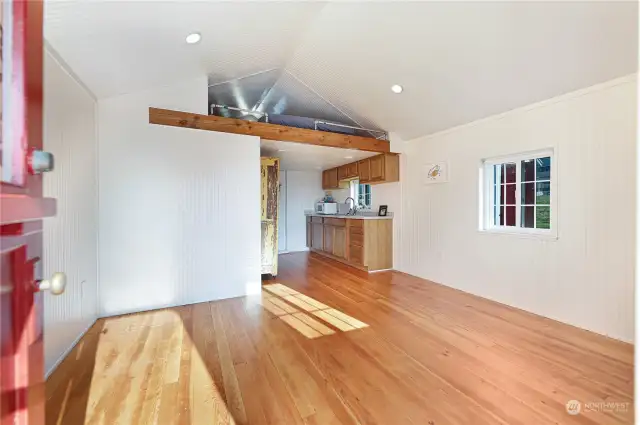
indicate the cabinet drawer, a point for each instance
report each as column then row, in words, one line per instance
column 335, row 221
column 315, row 219
column 356, row 223
column 356, row 254
column 356, row 238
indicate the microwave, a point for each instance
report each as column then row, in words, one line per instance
column 326, row 208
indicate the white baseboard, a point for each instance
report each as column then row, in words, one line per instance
column 68, row 350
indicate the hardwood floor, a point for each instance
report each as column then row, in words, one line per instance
column 335, row 345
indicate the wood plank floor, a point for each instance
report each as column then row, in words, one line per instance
column 333, row 345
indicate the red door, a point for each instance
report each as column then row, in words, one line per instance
column 22, row 209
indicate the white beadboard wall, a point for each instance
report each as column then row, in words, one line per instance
column 70, row 238
column 586, row 276
column 179, row 208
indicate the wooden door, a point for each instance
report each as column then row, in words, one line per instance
column 22, row 209
column 317, row 236
column 376, row 164
column 339, row 242
column 364, row 171
column 269, row 192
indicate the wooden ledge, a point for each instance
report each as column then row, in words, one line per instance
column 265, row 130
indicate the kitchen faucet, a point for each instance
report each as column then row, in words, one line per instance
column 352, row 211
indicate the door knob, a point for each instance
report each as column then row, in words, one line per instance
column 55, row 285
column 39, row 161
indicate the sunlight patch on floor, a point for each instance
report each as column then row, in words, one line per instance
column 284, row 302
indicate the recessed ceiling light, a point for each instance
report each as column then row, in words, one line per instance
column 282, row 150
column 396, row 88
column 193, row 38
column 348, row 157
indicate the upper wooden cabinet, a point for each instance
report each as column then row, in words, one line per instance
column 364, row 170
column 348, row 171
column 331, row 179
column 343, row 172
column 383, row 168
column 376, row 167
column 379, row 169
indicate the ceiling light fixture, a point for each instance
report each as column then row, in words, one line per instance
column 348, row 157
column 396, row 88
column 193, row 38
column 282, row 150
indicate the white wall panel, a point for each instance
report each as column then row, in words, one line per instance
column 179, row 208
column 585, row 277
column 70, row 238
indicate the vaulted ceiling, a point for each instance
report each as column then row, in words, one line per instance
column 457, row 61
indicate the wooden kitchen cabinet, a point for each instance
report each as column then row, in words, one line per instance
column 384, row 168
column 328, row 239
column 340, row 242
column 317, row 236
column 364, row 244
column 348, row 172
column 352, row 170
column 343, row 172
column 330, row 180
column 376, row 167
column 363, row 171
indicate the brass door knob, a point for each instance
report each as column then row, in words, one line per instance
column 56, row 285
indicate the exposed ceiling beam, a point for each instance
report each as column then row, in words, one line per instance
column 265, row 130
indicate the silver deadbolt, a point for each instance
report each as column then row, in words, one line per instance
column 40, row 162
column 56, row 285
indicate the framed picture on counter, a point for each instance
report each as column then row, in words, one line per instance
column 382, row 211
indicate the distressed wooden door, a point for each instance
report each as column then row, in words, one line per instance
column 270, row 191
column 22, row 208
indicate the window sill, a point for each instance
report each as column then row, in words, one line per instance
column 524, row 235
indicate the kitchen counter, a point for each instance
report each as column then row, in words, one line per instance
column 373, row 216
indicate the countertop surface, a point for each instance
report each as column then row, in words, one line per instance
column 372, row 216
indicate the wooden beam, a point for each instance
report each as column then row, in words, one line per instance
column 265, row 130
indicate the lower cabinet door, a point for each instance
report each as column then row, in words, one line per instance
column 328, row 239
column 317, row 236
column 340, row 242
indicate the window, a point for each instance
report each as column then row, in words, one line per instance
column 518, row 193
column 361, row 193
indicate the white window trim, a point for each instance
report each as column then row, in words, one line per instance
column 354, row 191
column 487, row 194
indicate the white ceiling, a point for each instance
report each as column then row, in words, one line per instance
column 458, row 61
column 302, row 157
